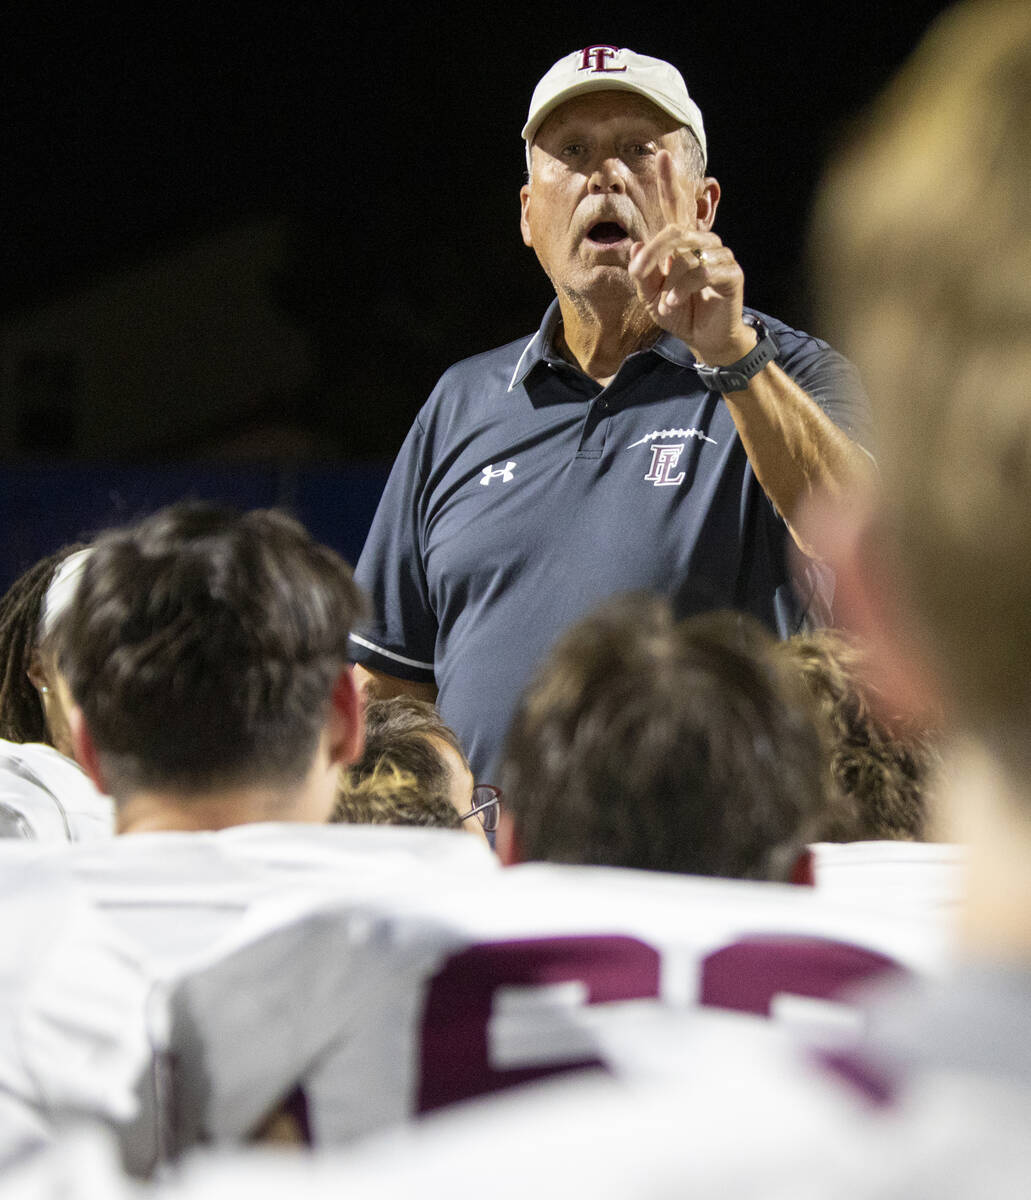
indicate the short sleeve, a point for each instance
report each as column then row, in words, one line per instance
column 831, row 380
column 400, row 638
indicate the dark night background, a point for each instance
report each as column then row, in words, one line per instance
column 388, row 137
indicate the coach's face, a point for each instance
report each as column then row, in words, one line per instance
column 593, row 188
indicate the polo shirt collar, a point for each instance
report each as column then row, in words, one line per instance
column 541, row 348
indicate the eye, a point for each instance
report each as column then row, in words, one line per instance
column 572, row 149
column 641, row 149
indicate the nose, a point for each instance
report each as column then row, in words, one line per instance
column 606, row 177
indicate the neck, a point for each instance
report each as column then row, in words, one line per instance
column 175, row 811
column 991, row 813
column 598, row 333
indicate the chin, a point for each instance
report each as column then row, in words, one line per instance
column 610, row 277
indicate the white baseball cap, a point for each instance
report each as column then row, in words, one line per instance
column 608, row 68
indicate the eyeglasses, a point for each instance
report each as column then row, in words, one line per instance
column 486, row 806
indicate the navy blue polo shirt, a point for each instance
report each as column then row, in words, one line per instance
column 525, row 494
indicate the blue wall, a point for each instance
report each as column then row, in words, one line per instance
column 43, row 506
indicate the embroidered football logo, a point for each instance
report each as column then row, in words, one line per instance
column 665, row 457
column 664, row 462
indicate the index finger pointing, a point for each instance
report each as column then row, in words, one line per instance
column 669, row 189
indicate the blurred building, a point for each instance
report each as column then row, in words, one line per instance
column 182, row 353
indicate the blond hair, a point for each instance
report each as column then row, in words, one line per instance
column 923, row 245
column 391, row 796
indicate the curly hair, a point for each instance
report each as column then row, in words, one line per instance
column 883, row 765
column 391, row 796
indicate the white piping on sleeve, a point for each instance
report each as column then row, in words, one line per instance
column 408, row 662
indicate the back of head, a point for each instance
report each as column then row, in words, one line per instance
column 401, row 778
column 643, row 743
column 392, row 796
column 884, row 766
column 923, row 240
column 202, row 647
column 394, row 726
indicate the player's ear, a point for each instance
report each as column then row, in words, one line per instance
column 524, row 222
column 506, row 840
column 346, row 725
column 36, row 672
column 707, row 198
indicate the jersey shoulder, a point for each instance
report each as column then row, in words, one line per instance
column 481, row 376
column 790, row 339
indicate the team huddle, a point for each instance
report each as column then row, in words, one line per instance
column 647, row 813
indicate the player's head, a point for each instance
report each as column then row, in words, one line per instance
column 677, row 747
column 412, row 771
column 886, row 767
column 596, row 122
column 30, row 695
column 206, row 652
column 923, row 237
column 392, row 796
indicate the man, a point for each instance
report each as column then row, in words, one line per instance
column 690, row 748
column 924, row 233
column 653, row 434
column 206, row 657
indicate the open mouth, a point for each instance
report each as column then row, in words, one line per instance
column 606, row 233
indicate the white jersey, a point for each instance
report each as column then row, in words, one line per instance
column 45, row 797
column 739, row 1113
column 176, row 895
column 86, row 1025
column 387, row 1001
column 899, row 876
column 71, row 1038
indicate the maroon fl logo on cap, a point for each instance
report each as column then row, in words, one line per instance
column 599, row 54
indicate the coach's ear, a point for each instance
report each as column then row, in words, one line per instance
column 506, row 841
column 346, row 720
column 84, row 748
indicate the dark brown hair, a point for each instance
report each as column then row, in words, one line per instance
column 202, row 646
column 675, row 747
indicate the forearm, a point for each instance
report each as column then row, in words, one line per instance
column 795, row 449
column 378, row 685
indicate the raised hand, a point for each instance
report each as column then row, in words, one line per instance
column 691, row 284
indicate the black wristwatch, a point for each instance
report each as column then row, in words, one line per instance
column 735, row 377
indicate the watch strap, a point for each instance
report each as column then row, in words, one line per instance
column 735, row 376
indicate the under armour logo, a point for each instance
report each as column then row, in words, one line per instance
column 599, row 54
column 503, row 473
column 664, row 463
